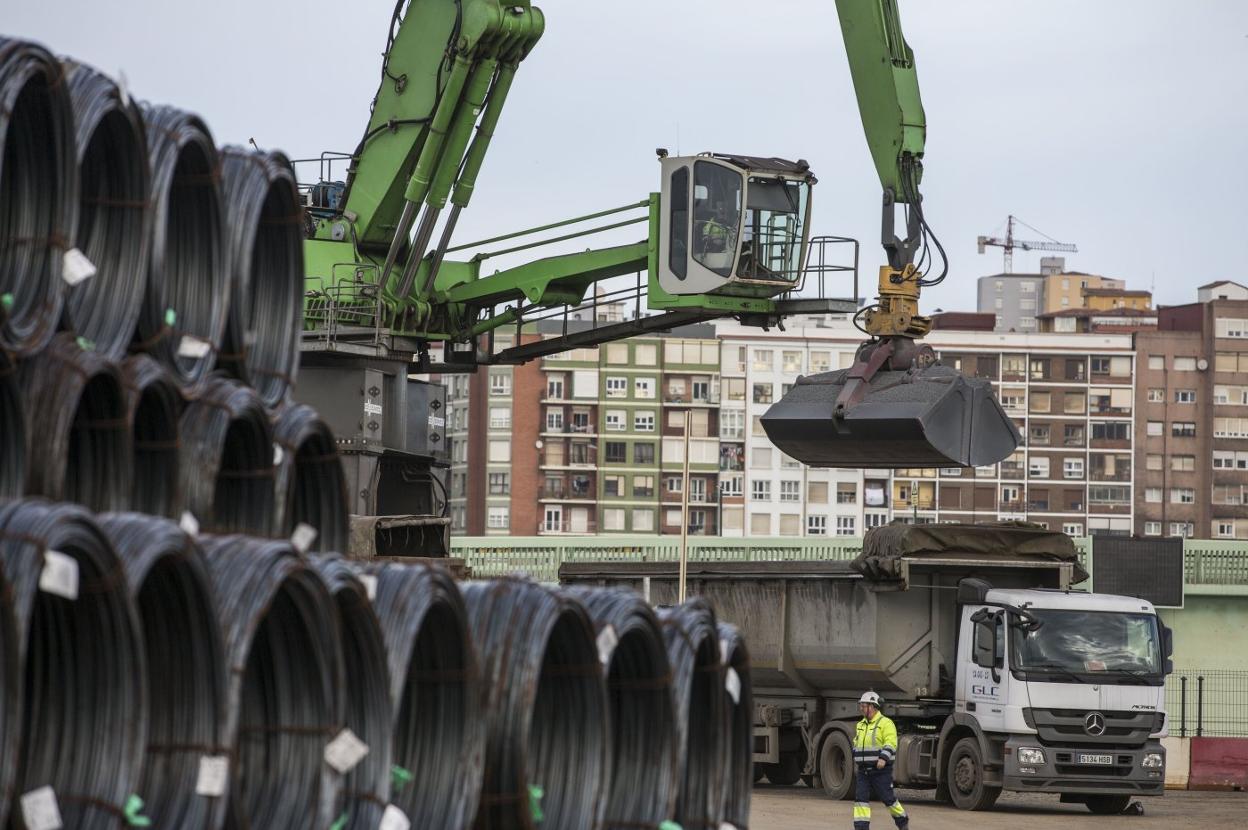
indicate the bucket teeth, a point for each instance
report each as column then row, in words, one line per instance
column 933, row 417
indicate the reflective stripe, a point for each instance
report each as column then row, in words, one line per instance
column 862, row 812
column 896, row 809
column 887, row 752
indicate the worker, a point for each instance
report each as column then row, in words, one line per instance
column 875, row 748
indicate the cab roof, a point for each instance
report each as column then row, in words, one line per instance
column 1070, row 600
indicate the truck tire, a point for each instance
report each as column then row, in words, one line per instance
column 836, row 766
column 1108, row 805
column 965, row 775
column 787, row 772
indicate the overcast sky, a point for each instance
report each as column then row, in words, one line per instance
column 1118, row 125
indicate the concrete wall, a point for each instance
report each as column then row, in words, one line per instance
column 1210, row 632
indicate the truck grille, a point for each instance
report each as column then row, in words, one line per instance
column 1068, row 727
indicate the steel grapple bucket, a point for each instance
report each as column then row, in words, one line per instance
column 934, row 417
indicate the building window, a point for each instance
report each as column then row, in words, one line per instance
column 1152, row 528
column 760, row 524
column 846, row 493
column 554, row 420
column 1185, row 396
column 820, row 362
column 1072, row 468
column 1038, row 436
column 762, row 392
column 616, row 452
column 816, row 492
column 613, row 485
column 1152, row 495
column 1072, row 435
column 500, row 384
column 643, row 452
column 617, row 353
column 760, row 458
column 1183, row 429
column 1185, row 364
column 645, row 354
column 500, row 417
column 500, row 452
column 1155, row 428
column 876, row 519
column 498, row 518
column 500, row 484
column 816, row 525
column 1026, row 322
column 1183, row 530
column 760, row 490
column 846, row 525
column 998, row 303
column 734, row 389
column 553, row 519
column 1231, row 327
column 643, row 486
column 732, row 424
column 790, row 491
column 617, row 387
column 1038, row 467
column 1222, row 529
column 643, row 421
column 616, row 420
column 673, row 484
column 1183, row 463
column 1156, row 362
column 1229, row 428
column 1041, row 402
column 613, row 518
column 1100, row 365
column 791, row 361
column 644, row 389
column 1072, row 529
column 1182, row 495
column 1156, row 395
column 643, row 521
column 730, row 485
column 763, row 360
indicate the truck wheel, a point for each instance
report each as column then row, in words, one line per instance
column 788, row 771
column 965, row 775
column 1108, row 805
column 836, row 766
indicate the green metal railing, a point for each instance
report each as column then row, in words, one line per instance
column 1210, row 564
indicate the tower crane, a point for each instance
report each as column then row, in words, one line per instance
column 1009, row 243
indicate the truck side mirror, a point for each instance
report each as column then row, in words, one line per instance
column 1167, row 641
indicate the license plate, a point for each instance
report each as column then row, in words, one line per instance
column 1096, row 759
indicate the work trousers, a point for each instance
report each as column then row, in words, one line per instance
column 878, row 784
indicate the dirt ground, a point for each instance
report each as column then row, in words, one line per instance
column 799, row 808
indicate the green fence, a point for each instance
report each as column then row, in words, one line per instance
column 1212, row 565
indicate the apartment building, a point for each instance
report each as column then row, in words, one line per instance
column 1070, row 289
column 1192, row 394
column 1015, row 299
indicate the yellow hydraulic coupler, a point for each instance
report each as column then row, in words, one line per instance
column 897, row 312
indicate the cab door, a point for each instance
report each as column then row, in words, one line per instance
column 983, row 679
column 700, row 224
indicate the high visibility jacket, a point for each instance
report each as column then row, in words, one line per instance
column 875, row 739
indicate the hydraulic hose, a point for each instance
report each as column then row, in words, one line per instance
column 186, row 671
column 77, row 428
column 310, row 485
column 738, row 727
column 12, row 432
column 368, row 712
column 153, row 407
column 38, row 193
column 545, row 708
column 265, row 250
column 641, row 774
column 435, row 694
column 698, row 688
column 114, row 216
column 226, row 460
column 80, row 683
column 188, row 279
column 284, row 703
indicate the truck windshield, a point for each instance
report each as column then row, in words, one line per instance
column 1089, row 643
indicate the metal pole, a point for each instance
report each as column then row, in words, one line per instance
column 1200, row 706
column 1183, row 706
column 684, row 510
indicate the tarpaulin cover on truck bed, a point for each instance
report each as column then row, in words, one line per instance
column 884, row 547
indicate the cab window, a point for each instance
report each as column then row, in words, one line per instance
column 678, row 224
column 716, row 216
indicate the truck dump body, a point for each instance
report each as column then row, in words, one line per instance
column 886, row 621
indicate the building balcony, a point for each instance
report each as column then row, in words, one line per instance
column 1099, row 475
column 567, row 528
column 690, row 400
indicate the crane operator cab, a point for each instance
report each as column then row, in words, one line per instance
column 733, row 225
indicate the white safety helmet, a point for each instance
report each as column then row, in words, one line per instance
column 870, row 697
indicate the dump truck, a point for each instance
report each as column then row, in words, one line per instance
column 998, row 673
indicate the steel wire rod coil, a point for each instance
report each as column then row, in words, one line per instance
column 114, row 217
column 12, row 432
column 38, row 193
column 188, row 280
column 738, row 728
column 77, row 427
column 310, row 483
column 641, row 766
column 265, row 251
column 698, row 688
column 435, row 694
column 186, row 681
column 153, row 407
column 368, row 713
column 226, row 460
column 284, row 700
column 81, row 689
column 545, row 708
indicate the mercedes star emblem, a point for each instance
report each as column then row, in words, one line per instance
column 1094, row 724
